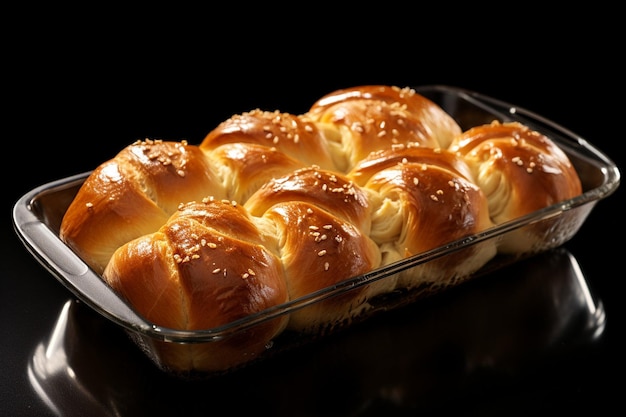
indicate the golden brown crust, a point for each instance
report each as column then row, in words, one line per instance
column 326, row 189
column 292, row 135
column 245, row 167
column 133, row 194
column 520, row 170
column 420, row 205
column 372, row 118
column 272, row 207
column 319, row 250
column 206, row 267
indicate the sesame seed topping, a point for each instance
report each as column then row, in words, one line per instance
column 326, row 266
column 322, row 252
column 434, row 197
column 89, row 205
column 217, row 270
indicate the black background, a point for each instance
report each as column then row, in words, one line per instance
column 78, row 90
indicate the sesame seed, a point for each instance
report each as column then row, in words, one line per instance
column 212, row 245
column 328, row 226
column 251, row 272
column 434, row 197
column 322, row 252
column 217, row 270
column 326, row 266
column 416, row 180
column 89, row 205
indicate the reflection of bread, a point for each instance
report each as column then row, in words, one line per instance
column 271, row 207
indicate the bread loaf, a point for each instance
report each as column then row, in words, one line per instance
column 272, row 207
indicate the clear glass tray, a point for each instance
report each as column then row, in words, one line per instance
column 37, row 217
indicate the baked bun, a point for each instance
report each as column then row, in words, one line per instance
column 322, row 222
column 292, row 135
column 423, row 199
column 245, row 167
column 133, row 194
column 359, row 120
column 207, row 266
column 520, row 171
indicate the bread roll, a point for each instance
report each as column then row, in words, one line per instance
column 359, row 120
column 134, row 194
column 423, row 199
column 320, row 250
column 207, row 266
column 245, row 167
column 292, row 135
column 520, row 171
column 322, row 222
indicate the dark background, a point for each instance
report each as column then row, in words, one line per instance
column 77, row 91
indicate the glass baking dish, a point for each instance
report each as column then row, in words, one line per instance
column 37, row 217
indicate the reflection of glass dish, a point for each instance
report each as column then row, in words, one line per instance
column 462, row 342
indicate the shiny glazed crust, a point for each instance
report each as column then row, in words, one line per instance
column 271, row 207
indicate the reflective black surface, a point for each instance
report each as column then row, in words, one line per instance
column 543, row 336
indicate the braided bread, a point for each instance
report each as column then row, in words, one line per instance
column 270, row 207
